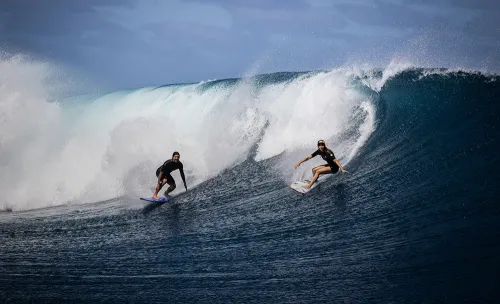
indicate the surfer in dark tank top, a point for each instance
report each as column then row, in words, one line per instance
column 332, row 164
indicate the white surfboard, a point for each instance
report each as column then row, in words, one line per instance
column 299, row 186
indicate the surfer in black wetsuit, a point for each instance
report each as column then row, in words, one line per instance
column 332, row 165
column 164, row 177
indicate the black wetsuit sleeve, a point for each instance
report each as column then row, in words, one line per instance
column 331, row 154
column 315, row 153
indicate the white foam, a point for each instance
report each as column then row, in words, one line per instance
column 305, row 110
column 110, row 146
column 27, row 122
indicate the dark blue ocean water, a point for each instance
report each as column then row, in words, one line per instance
column 415, row 221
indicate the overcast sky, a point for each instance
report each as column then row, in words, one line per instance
column 132, row 43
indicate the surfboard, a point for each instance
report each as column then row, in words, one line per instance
column 299, row 186
column 161, row 199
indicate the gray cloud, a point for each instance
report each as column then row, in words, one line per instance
column 135, row 43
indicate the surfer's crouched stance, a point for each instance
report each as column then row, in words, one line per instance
column 332, row 165
column 164, row 177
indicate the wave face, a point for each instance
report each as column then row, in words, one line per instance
column 414, row 220
column 90, row 149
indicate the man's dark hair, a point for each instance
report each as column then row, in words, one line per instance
column 175, row 153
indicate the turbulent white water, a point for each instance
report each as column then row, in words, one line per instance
column 89, row 148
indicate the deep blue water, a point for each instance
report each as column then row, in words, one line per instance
column 415, row 221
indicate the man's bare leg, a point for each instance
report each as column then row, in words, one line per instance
column 158, row 188
column 170, row 188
